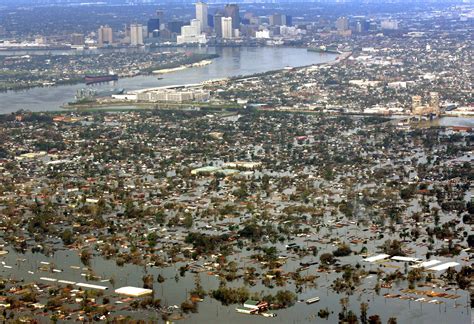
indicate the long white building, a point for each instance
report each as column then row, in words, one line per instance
column 174, row 95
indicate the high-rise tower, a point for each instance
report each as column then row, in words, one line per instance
column 105, row 35
column 218, row 24
column 201, row 14
column 226, row 27
column 434, row 102
column 232, row 11
column 136, row 35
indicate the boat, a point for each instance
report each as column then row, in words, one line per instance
column 312, row 300
column 89, row 79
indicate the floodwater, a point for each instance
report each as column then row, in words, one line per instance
column 232, row 61
column 173, row 292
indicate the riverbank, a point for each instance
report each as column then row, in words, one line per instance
column 183, row 67
column 193, row 60
column 98, row 105
column 231, row 62
column 342, row 57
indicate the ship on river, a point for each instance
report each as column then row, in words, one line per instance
column 90, row 79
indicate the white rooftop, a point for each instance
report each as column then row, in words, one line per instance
column 404, row 259
column 426, row 264
column 444, row 266
column 377, row 258
column 133, row 291
column 86, row 285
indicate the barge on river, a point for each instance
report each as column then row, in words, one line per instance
column 90, row 79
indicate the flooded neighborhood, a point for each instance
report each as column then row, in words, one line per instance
column 183, row 214
column 250, row 162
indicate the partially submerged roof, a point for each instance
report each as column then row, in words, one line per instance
column 404, row 259
column 426, row 264
column 444, row 266
column 377, row 258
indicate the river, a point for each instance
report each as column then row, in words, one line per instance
column 232, row 61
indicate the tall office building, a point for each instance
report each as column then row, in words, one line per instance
column 105, row 35
column 196, row 24
column 226, row 27
column 232, row 11
column 210, row 21
column 342, row 24
column 175, row 26
column 389, row 24
column 276, row 19
column 415, row 103
column 136, row 35
column 160, row 15
column 362, row 26
column 434, row 102
column 280, row 20
column 218, row 24
column 77, row 39
column 201, row 14
column 192, row 33
column 153, row 25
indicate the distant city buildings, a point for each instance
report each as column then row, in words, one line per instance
column 104, row 36
column 432, row 107
column 362, row 26
column 227, row 27
column 211, row 24
column 153, row 26
column 232, row 11
column 77, row 39
column 192, row 33
column 136, row 35
column 264, row 34
column 175, row 26
column 342, row 24
column 389, row 24
column 280, row 20
column 218, row 24
column 202, row 15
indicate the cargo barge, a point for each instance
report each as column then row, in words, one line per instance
column 89, row 79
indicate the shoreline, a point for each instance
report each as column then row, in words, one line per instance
column 338, row 59
column 76, row 81
column 201, row 63
column 152, row 71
